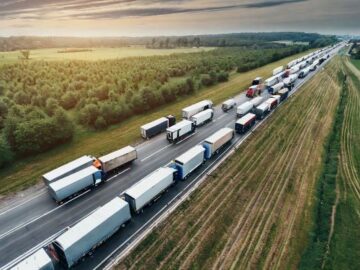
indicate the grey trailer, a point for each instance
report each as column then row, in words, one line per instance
column 189, row 161
column 216, row 141
column 92, row 231
column 73, row 184
column 118, row 159
column 67, row 169
column 149, row 188
column 228, row 104
column 196, row 108
column 157, row 126
column 40, row 260
column 262, row 110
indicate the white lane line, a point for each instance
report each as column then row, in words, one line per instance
column 43, row 215
column 156, row 152
column 13, row 208
column 221, row 116
column 120, row 173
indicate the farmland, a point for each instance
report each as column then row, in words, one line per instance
column 93, row 54
column 254, row 211
column 26, row 172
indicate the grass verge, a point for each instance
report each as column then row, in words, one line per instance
column 253, row 211
column 27, row 172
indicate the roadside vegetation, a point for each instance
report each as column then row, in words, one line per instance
column 254, row 211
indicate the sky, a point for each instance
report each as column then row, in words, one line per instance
column 176, row 17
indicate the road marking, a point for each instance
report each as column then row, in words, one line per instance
column 13, row 208
column 188, row 137
column 221, row 116
column 43, row 215
column 120, row 173
column 156, row 152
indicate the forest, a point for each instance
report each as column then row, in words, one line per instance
column 43, row 103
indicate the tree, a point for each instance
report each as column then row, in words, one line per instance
column 100, row 123
column 6, row 155
column 25, row 54
column 69, row 100
column 22, row 98
column 88, row 114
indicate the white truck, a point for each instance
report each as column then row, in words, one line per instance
column 228, row 104
column 189, row 161
column 180, row 130
column 244, row 108
column 203, row 117
column 278, row 70
column 196, row 108
column 216, row 141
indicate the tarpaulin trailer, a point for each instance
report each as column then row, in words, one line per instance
column 216, row 141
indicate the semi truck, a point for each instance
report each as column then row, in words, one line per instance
column 256, row 101
column 203, row 117
column 149, row 188
column 277, row 97
column 40, row 260
column 262, row 110
column 216, row 141
column 244, row 109
column 290, row 81
column 295, row 69
column 67, row 169
column 117, row 159
column 271, row 81
column 303, row 73
column 73, row 184
column 157, row 126
column 275, row 88
column 228, row 104
column 245, row 123
column 257, row 81
column 283, row 93
column 196, row 108
column 189, row 161
column 90, row 232
column 253, row 91
column 273, row 102
column 180, row 131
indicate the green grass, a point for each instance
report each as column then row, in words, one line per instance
column 356, row 63
column 94, row 54
column 27, row 172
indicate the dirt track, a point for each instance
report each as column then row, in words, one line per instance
column 253, row 209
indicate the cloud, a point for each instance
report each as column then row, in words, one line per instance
column 271, row 3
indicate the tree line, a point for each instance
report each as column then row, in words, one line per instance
column 41, row 103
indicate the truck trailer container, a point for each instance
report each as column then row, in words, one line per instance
column 290, row 81
column 278, row 70
column 273, row 102
column 149, row 188
column 283, row 93
column 90, row 232
column 189, row 161
column 275, row 88
column 67, row 169
column 117, row 159
column 196, row 108
column 244, row 108
column 295, row 69
column 74, row 183
column 157, row 126
column 216, row 141
column 203, row 117
column 303, row 73
column 228, row 104
column 179, row 131
column 277, row 97
column 245, row 123
column 262, row 110
column 271, row 81
column 256, row 101
column 37, row 261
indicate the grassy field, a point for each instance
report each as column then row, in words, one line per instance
column 27, row 172
column 94, row 54
column 344, row 249
column 254, row 212
column 356, row 63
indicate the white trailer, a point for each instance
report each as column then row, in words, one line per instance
column 278, row 70
column 277, row 97
column 179, row 131
column 271, row 81
column 303, row 73
column 74, row 183
column 118, row 158
column 303, row 64
column 149, row 188
column 228, row 104
column 257, row 101
column 37, row 261
column 67, row 169
column 196, row 108
column 202, row 117
column 90, row 232
column 262, row 110
column 275, row 88
column 189, row 161
column 213, row 143
column 291, row 64
column 294, row 69
column 244, row 108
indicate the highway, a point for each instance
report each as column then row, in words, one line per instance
column 34, row 221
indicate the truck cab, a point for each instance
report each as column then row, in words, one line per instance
column 254, row 90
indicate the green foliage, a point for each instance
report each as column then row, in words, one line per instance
column 6, row 155
column 314, row 255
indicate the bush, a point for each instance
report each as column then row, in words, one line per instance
column 6, row 155
column 100, row 123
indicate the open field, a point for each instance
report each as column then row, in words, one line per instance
column 344, row 249
column 94, row 54
column 356, row 63
column 27, row 172
column 254, row 212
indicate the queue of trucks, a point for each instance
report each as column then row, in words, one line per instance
column 87, row 171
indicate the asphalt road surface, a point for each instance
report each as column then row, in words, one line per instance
column 33, row 222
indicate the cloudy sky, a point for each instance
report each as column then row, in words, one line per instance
column 175, row 17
